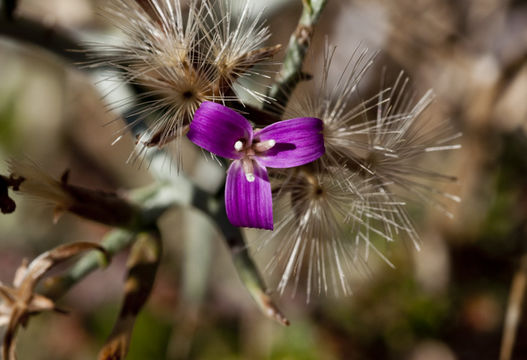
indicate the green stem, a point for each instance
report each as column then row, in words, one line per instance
column 114, row 242
column 155, row 201
column 254, row 283
column 291, row 73
column 178, row 190
column 143, row 263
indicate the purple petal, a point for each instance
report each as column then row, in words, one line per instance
column 217, row 128
column 247, row 203
column 298, row 142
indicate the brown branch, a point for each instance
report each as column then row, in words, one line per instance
column 52, row 39
column 514, row 310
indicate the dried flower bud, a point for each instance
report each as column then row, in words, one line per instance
column 104, row 207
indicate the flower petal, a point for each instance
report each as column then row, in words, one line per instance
column 298, row 141
column 217, row 128
column 247, row 203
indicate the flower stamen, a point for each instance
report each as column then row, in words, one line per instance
column 263, row 146
column 248, row 169
column 238, row 145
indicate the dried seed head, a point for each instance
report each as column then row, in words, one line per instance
column 329, row 224
column 338, row 105
column 404, row 133
column 234, row 39
column 39, row 185
column 178, row 59
column 104, row 207
column 354, row 195
column 384, row 137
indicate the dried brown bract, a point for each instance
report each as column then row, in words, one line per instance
column 19, row 302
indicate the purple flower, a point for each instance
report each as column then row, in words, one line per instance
column 285, row 144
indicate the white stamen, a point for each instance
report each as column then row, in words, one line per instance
column 248, row 169
column 264, row 145
column 238, row 145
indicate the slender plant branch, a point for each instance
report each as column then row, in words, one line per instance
column 8, row 8
column 514, row 310
column 143, row 263
column 182, row 192
column 114, row 242
column 243, row 262
column 155, row 200
column 52, row 39
column 291, row 73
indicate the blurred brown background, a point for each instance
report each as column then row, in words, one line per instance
column 447, row 301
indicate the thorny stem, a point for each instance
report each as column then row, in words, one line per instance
column 291, row 73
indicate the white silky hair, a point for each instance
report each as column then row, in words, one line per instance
column 366, row 179
column 180, row 57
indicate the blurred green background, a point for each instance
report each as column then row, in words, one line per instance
column 446, row 302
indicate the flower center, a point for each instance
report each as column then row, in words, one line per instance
column 249, row 151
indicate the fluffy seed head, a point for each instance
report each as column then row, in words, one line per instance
column 339, row 105
column 329, row 225
column 384, row 137
column 404, row 133
column 356, row 194
column 234, row 40
column 179, row 58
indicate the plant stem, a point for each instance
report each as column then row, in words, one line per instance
column 514, row 310
column 143, row 263
column 114, row 242
column 291, row 73
column 52, row 39
column 9, row 8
